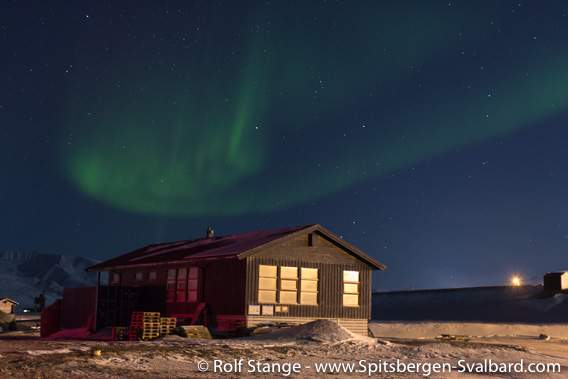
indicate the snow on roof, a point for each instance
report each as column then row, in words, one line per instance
column 201, row 248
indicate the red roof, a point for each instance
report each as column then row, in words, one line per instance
column 201, row 248
column 237, row 245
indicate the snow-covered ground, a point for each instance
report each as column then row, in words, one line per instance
column 510, row 332
column 321, row 348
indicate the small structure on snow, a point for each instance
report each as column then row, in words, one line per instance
column 7, row 314
column 556, row 281
column 8, row 305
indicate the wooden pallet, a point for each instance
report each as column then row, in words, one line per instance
column 145, row 317
column 144, row 326
column 195, row 331
column 166, row 330
column 269, row 328
column 167, row 325
column 168, row 321
column 135, row 334
column 149, row 335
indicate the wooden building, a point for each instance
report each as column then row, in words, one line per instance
column 556, row 281
column 292, row 275
column 8, row 305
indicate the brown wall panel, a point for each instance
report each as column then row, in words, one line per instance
column 330, row 289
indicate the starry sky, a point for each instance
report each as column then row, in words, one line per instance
column 430, row 134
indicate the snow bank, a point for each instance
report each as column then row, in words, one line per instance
column 318, row 331
column 424, row 330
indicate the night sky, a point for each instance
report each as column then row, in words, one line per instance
column 430, row 134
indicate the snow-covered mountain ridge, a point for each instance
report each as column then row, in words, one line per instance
column 25, row 275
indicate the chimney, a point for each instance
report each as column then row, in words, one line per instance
column 210, row 232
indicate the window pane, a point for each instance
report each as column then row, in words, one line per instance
column 181, row 284
column 266, row 296
column 193, row 272
column 288, row 297
column 267, row 284
column 309, row 273
column 309, row 298
column 351, row 276
column 192, row 284
column 289, row 272
column 172, row 273
column 309, row 286
column 138, row 276
column 171, row 296
column 267, row 271
column 192, row 296
column 182, row 272
column 180, row 296
column 152, row 275
column 289, row 284
column 351, row 288
column 350, row 300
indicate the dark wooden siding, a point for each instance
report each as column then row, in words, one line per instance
column 78, row 307
column 331, row 261
column 323, row 250
column 223, row 289
column 128, row 276
column 222, row 285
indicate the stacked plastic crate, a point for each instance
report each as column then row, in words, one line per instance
column 167, row 325
column 144, row 325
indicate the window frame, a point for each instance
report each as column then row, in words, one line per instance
column 171, row 283
column 304, row 280
column 154, row 274
column 279, row 284
column 348, row 284
column 193, row 275
column 285, row 291
column 266, row 275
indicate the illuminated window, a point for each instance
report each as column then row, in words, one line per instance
column 288, row 285
column 350, row 288
column 280, row 285
column 192, row 284
column 138, row 276
column 309, row 286
column 267, row 283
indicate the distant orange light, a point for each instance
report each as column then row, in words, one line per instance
column 516, row 281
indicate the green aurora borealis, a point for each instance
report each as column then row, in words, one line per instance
column 271, row 109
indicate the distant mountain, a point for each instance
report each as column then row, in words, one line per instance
column 25, row 275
